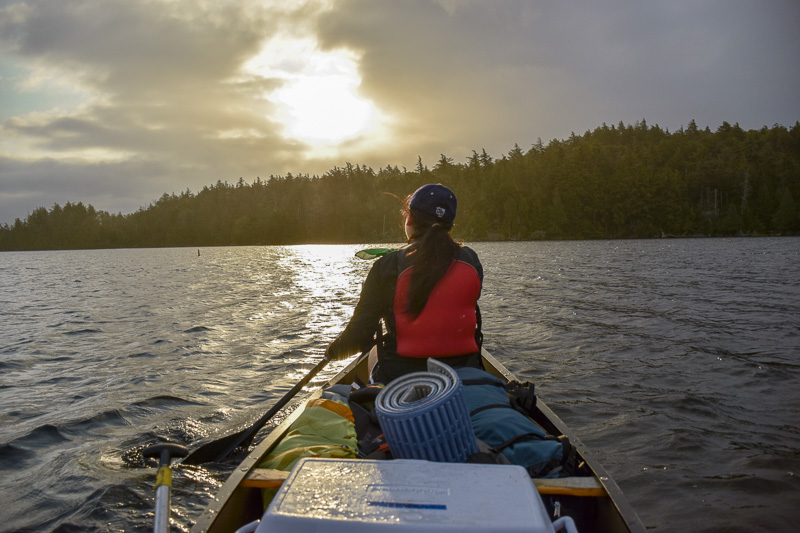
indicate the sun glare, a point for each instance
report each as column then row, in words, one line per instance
column 318, row 101
column 324, row 109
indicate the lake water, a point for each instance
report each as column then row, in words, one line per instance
column 676, row 361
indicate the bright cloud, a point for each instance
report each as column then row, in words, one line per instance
column 318, row 102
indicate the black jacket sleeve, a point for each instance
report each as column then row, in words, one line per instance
column 377, row 296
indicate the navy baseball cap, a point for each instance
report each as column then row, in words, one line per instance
column 435, row 199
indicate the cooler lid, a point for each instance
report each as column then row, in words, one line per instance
column 349, row 495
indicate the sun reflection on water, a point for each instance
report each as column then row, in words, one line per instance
column 326, row 279
column 326, row 282
column 269, row 313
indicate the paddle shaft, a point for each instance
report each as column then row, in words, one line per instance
column 165, row 453
column 161, row 521
column 219, row 449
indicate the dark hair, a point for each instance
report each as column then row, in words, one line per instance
column 432, row 254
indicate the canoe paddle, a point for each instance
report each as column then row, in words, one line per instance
column 165, row 453
column 372, row 253
column 218, row 450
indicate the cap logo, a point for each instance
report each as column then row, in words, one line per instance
column 440, row 212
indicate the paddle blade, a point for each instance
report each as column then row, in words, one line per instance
column 213, row 451
column 372, row 253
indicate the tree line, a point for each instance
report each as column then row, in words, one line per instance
column 623, row 181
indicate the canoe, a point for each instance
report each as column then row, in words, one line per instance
column 592, row 498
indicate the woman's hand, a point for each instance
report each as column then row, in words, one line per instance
column 331, row 357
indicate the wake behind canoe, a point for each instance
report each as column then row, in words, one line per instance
column 591, row 497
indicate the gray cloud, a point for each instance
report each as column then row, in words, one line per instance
column 171, row 111
column 130, row 45
column 45, row 182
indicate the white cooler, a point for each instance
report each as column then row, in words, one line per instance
column 357, row 495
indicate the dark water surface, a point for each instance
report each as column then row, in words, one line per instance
column 676, row 361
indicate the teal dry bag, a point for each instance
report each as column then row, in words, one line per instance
column 505, row 429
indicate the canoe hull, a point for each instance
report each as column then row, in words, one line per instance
column 594, row 502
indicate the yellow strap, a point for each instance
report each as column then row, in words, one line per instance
column 164, row 476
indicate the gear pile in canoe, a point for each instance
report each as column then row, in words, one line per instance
column 443, row 450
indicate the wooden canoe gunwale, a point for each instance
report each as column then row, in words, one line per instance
column 238, row 504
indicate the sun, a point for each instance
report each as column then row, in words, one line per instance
column 324, row 108
column 318, row 102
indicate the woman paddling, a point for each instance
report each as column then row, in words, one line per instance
column 420, row 301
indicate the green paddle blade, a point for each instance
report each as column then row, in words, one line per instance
column 372, row 253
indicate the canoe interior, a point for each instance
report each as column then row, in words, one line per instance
column 235, row 505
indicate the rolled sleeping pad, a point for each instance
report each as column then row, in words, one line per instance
column 423, row 415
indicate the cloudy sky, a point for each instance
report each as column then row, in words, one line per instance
column 115, row 102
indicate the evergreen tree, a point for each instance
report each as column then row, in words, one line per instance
column 614, row 182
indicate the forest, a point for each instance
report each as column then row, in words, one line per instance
column 615, row 182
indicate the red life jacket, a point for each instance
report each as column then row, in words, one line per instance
column 447, row 324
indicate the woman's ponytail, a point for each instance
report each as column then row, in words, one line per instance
column 431, row 257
